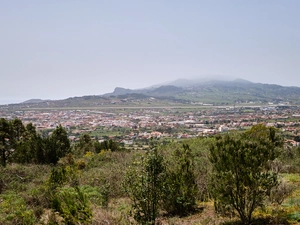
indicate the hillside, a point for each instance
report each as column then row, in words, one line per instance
column 180, row 92
column 97, row 186
column 219, row 92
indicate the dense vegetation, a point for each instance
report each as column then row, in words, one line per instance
column 24, row 145
column 236, row 178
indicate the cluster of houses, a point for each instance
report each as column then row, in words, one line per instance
column 146, row 123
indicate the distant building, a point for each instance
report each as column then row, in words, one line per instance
column 223, row 128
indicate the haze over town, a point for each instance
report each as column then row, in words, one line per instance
column 61, row 49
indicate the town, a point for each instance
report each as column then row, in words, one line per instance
column 137, row 125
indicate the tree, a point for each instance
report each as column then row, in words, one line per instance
column 143, row 184
column 19, row 143
column 11, row 134
column 17, row 129
column 180, row 189
column 85, row 144
column 57, row 145
column 27, row 148
column 37, row 144
column 241, row 177
column 5, row 149
column 297, row 138
column 106, row 145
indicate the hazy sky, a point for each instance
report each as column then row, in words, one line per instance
column 63, row 48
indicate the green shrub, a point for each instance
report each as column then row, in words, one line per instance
column 13, row 210
column 180, row 189
column 241, row 178
column 94, row 194
column 72, row 205
column 294, row 216
column 143, row 184
column 61, row 175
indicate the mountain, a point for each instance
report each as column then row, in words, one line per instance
column 180, row 92
column 34, row 101
column 200, row 81
column 218, row 91
column 122, row 91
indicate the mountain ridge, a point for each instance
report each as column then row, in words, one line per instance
column 182, row 91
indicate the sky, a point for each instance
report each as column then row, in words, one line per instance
column 64, row 48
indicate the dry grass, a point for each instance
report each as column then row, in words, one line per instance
column 204, row 214
column 118, row 213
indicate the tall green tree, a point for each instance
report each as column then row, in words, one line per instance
column 11, row 134
column 241, row 177
column 17, row 130
column 143, row 184
column 29, row 148
column 36, row 144
column 57, row 145
column 5, row 147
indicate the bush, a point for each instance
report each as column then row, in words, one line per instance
column 241, row 178
column 72, row 205
column 294, row 216
column 281, row 192
column 13, row 210
column 143, row 184
column 180, row 189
